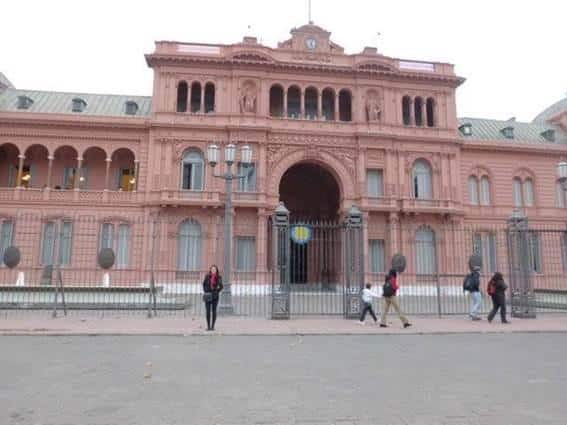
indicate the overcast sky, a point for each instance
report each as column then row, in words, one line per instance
column 512, row 53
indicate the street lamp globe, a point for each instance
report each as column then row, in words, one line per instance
column 213, row 155
column 246, row 155
column 230, row 153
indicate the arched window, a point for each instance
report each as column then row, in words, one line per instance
column 473, row 190
column 561, row 196
column 345, row 105
column 311, row 96
column 209, row 97
column 192, row 170
column 182, row 91
column 517, row 189
column 294, row 102
column 418, row 111
column 195, row 97
column 422, row 180
column 425, row 251
column 430, row 112
column 276, row 101
column 189, row 246
column 328, row 104
column 484, row 191
column 406, row 105
column 528, row 193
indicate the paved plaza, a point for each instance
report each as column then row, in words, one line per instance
column 457, row 379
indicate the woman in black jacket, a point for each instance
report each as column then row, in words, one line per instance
column 497, row 290
column 212, row 285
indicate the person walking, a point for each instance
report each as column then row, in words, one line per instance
column 497, row 290
column 472, row 286
column 212, row 286
column 389, row 291
column 367, row 295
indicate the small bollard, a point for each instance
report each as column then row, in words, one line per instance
column 148, row 370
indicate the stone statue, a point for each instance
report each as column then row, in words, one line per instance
column 373, row 110
column 248, row 99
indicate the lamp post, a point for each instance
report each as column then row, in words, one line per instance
column 226, row 306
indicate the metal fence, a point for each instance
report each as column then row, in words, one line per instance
column 160, row 263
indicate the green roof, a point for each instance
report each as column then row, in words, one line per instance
column 524, row 132
column 61, row 103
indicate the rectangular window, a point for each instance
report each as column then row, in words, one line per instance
column 248, row 183
column 6, row 237
column 69, row 178
column 484, row 244
column 193, row 175
column 107, row 236
column 518, row 198
column 123, row 248
column 126, row 179
column 374, row 183
column 564, row 250
column 535, row 253
column 245, row 253
column 377, row 256
column 48, row 244
column 66, row 243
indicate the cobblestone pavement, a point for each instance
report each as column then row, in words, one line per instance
column 474, row 379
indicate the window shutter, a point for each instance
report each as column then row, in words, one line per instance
column 517, row 187
column 426, row 260
column 197, row 176
column 123, row 249
column 106, row 240
column 377, row 256
column 6, row 235
column 473, row 190
column 245, row 254
column 48, row 244
column 65, row 243
column 374, row 183
column 484, row 191
column 529, row 193
column 559, row 195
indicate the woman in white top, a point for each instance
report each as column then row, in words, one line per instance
column 367, row 295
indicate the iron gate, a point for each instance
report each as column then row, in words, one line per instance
column 318, row 266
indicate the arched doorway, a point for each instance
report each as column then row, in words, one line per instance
column 312, row 195
column 310, row 192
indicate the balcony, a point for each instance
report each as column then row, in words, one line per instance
column 433, row 206
column 380, row 204
column 184, row 197
column 89, row 197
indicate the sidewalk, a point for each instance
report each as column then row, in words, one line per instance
column 261, row 326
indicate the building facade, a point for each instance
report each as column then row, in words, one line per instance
column 328, row 130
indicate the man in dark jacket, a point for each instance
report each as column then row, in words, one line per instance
column 473, row 287
column 497, row 290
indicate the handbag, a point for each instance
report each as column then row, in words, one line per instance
column 207, row 297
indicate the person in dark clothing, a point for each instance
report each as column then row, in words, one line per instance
column 473, row 287
column 497, row 290
column 212, row 286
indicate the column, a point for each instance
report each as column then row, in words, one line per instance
column 107, row 175
column 394, row 225
column 423, row 113
column 411, row 112
column 20, row 170
column 285, row 103
column 337, row 115
column 136, row 174
column 50, row 159
column 262, row 247
column 77, row 178
column 202, row 106
column 302, row 94
column 320, row 105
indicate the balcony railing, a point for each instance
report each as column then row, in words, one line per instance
column 429, row 205
column 59, row 195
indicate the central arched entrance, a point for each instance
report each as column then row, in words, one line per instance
column 310, row 192
column 312, row 195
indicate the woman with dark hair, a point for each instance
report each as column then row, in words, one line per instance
column 497, row 291
column 212, row 285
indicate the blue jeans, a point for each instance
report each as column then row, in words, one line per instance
column 476, row 304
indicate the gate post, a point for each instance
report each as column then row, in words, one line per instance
column 281, row 264
column 522, row 299
column 354, row 263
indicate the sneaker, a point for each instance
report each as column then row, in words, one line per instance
column 476, row 319
column 361, row 323
column 382, row 325
column 506, row 322
column 407, row 325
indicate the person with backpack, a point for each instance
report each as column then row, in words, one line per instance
column 367, row 295
column 389, row 291
column 472, row 286
column 497, row 290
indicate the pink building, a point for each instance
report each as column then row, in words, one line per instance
column 327, row 130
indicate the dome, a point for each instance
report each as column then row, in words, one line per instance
column 551, row 111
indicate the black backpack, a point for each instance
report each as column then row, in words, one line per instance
column 388, row 289
column 468, row 283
